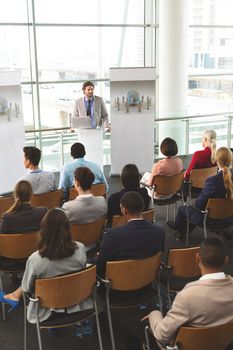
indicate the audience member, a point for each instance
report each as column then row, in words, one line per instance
column 57, row 255
column 78, row 152
column 42, row 181
column 85, row 207
column 130, row 179
column 170, row 165
column 199, row 304
column 22, row 216
column 217, row 186
column 205, row 158
column 137, row 239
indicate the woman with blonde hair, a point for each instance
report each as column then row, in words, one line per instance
column 22, row 216
column 217, row 186
column 205, row 158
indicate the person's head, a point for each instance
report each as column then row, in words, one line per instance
column 169, row 147
column 130, row 177
column 88, row 89
column 212, row 256
column 32, row 156
column 77, row 150
column 22, row 194
column 132, row 204
column 55, row 239
column 209, row 140
column 224, row 159
column 84, row 178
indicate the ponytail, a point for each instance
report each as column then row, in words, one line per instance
column 16, row 206
column 22, row 194
column 213, row 147
column 227, row 177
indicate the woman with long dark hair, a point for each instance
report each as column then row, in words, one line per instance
column 57, row 254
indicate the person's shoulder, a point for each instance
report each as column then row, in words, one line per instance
column 116, row 195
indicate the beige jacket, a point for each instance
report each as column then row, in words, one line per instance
column 201, row 303
column 99, row 107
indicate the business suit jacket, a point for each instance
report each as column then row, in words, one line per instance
column 99, row 109
column 138, row 239
column 213, row 188
column 85, row 209
column 202, row 303
column 27, row 219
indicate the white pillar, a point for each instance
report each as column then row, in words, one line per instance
column 173, row 69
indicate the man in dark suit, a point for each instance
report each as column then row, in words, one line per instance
column 138, row 239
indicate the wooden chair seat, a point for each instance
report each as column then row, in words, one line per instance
column 96, row 190
column 119, row 220
column 64, row 292
column 49, row 199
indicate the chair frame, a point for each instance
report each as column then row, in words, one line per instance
column 124, row 276
column 197, row 179
column 176, row 266
column 52, row 293
column 199, row 338
column 216, row 208
column 89, row 233
column 24, row 245
column 5, row 203
column 96, row 190
column 161, row 186
column 50, row 199
column 119, row 220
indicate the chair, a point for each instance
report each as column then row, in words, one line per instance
column 96, row 190
column 119, row 220
column 130, row 275
column 167, row 186
column 217, row 209
column 89, row 234
column 181, row 268
column 49, row 199
column 17, row 247
column 5, row 204
column 54, row 293
column 197, row 179
column 201, row 338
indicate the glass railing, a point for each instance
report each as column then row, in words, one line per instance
column 55, row 143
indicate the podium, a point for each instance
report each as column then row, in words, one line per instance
column 92, row 139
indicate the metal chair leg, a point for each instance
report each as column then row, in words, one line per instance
column 98, row 325
column 110, row 322
column 25, row 322
column 169, row 296
column 167, row 215
column 3, row 305
column 38, row 334
column 147, row 337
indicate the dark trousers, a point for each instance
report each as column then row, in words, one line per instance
column 181, row 219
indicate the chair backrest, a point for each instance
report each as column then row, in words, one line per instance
column 220, row 208
column 129, row 275
column 183, row 262
column 18, row 245
column 96, row 190
column 119, row 220
column 67, row 290
column 49, row 199
column 203, row 338
column 88, row 233
column 198, row 176
column 5, row 204
column 166, row 185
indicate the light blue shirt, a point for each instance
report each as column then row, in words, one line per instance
column 67, row 173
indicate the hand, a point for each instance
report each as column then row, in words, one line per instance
column 145, row 318
column 72, row 130
column 108, row 129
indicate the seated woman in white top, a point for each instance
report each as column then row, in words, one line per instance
column 170, row 165
column 57, row 254
column 85, row 207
